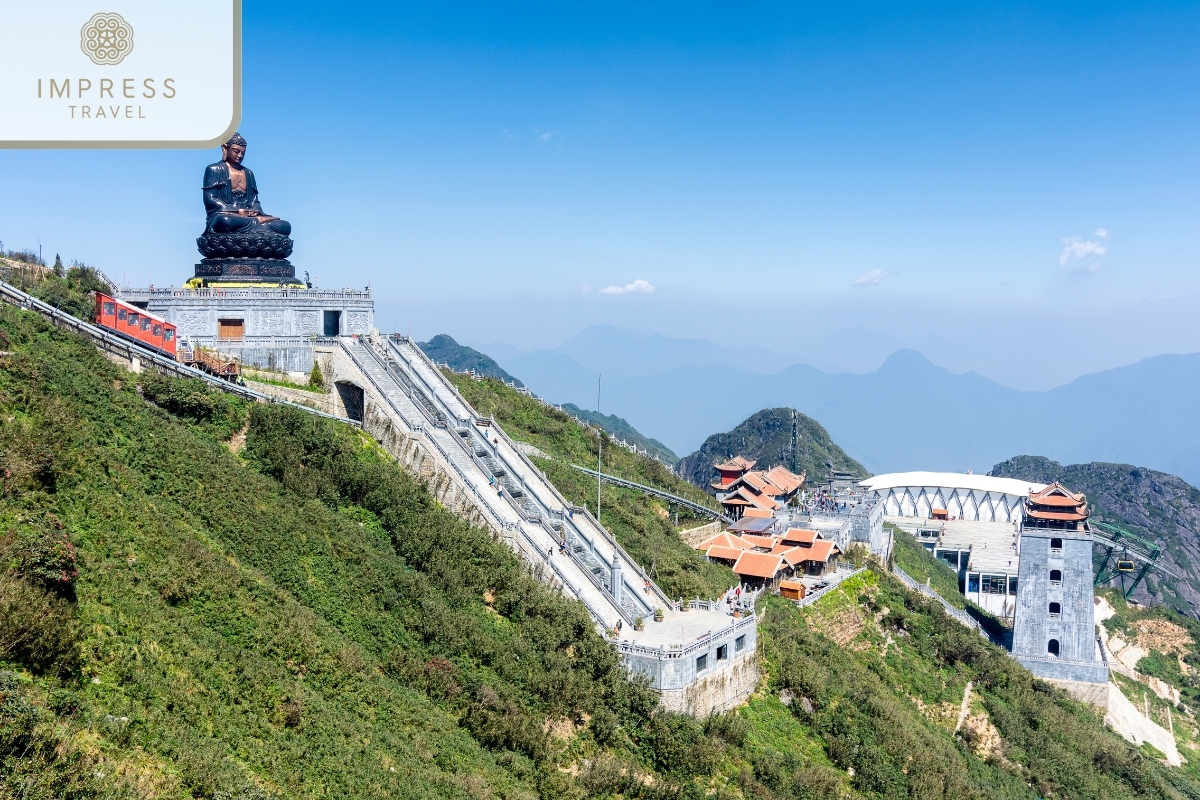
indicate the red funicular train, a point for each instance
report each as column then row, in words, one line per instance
column 136, row 323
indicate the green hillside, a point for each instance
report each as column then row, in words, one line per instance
column 643, row 525
column 772, row 436
column 299, row 618
column 444, row 350
column 619, row 428
column 1153, row 505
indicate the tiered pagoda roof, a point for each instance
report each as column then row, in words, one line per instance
column 1056, row 507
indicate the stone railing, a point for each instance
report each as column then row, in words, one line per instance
column 930, row 592
column 699, row 644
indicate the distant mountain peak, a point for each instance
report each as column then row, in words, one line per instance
column 772, row 436
column 443, row 349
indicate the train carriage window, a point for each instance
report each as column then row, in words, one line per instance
column 133, row 319
column 109, row 308
column 168, row 335
column 145, row 323
column 157, row 331
column 121, row 314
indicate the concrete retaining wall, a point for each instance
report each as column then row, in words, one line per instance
column 694, row 536
column 721, row 689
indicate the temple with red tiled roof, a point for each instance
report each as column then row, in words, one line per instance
column 731, row 470
column 1056, row 507
column 741, row 489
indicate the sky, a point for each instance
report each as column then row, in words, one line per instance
column 1011, row 190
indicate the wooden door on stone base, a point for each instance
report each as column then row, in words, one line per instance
column 231, row 328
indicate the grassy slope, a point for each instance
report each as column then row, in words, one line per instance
column 920, row 564
column 620, row 428
column 240, row 634
column 640, row 523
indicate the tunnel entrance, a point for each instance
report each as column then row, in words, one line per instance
column 353, row 398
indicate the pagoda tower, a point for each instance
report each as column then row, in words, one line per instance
column 1054, row 631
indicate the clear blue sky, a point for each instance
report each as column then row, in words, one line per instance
column 481, row 165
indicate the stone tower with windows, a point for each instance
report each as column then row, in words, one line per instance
column 1054, row 630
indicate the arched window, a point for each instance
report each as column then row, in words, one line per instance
column 1055, row 610
column 1052, row 648
column 1055, row 576
column 1055, row 545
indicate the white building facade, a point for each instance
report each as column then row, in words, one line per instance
column 965, row 496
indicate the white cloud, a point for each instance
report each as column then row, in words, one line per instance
column 872, row 278
column 1101, row 232
column 1076, row 249
column 639, row 286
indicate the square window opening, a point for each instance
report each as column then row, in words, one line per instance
column 722, row 652
column 702, row 662
column 739, row 644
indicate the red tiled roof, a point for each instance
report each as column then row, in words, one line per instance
column 1055, row 500
column 760, row 500
column 1055, row 494
column 758, row 565
column 761, row 513
column 800, row 536
column 821, row 550
column 735, row 463
column 725, row 539
column 792, row 555
column 765, row 542
column 785, row 479
column 1066, row 516
column 724, row 553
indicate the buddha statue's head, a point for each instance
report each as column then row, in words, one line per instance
column 234, row 150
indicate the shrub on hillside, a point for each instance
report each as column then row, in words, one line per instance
column 42, row 553
column 193, row 400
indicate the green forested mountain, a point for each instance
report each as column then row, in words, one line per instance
column 182, row 616
column 619, row 428
column 1153, row 505
column 772, row 436
column 444, row 350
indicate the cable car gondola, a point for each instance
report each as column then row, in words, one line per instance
column 1126, row 565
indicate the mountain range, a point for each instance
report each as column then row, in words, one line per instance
column 908, row 414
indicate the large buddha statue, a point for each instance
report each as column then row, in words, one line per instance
column 240, row 242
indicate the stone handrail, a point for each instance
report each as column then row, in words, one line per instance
column 930, row 592
column 500, row 524
column 812, row 597
column 608, row 537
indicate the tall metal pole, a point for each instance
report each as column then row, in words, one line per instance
column 599, row 446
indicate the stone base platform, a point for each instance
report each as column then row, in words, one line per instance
column 268, row 271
